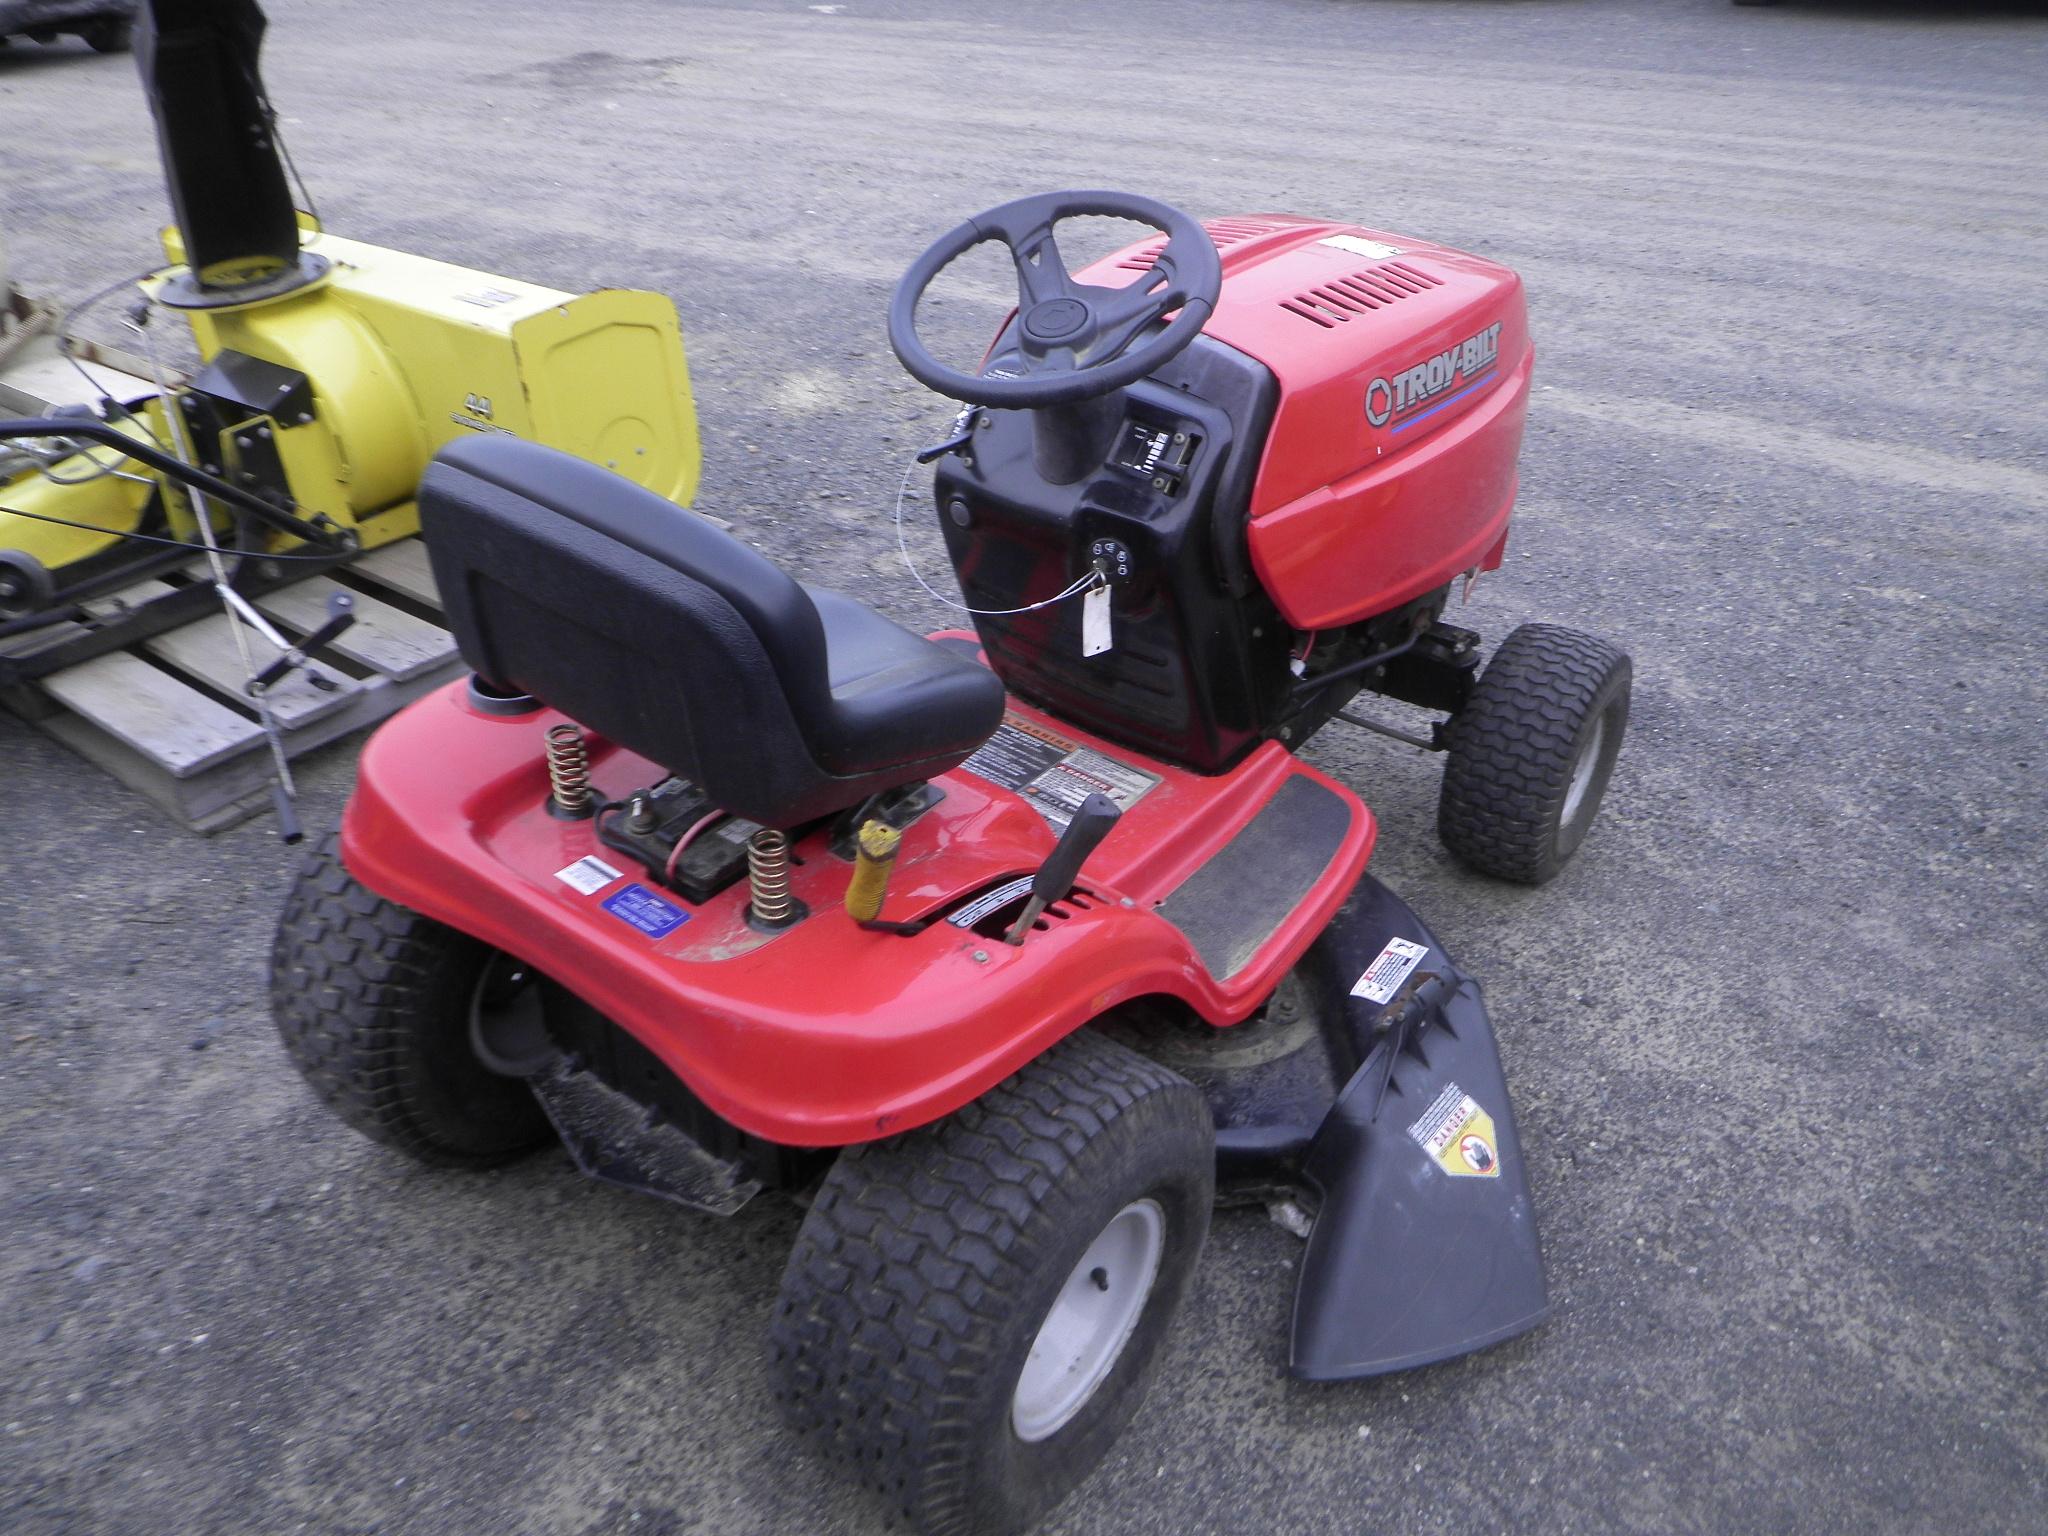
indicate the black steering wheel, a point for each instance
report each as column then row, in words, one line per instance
column 1075, row 338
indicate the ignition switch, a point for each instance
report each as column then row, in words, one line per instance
column 1113, row 558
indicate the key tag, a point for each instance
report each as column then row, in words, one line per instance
column 1095, row 638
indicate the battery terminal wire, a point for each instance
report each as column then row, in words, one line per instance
column 1297, row 663
column 675, row 854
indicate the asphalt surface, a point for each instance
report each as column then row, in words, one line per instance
column 1775, row 1039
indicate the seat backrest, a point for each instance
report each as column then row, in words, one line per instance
column 630, row 615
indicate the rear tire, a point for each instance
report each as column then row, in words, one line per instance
column 373, row 1004
column 1528, row 758
column 929, row 1265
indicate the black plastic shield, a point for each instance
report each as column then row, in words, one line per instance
column 1425, row 1244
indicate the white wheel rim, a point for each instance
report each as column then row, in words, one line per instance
column 1091, row 1320
column 1582, row 771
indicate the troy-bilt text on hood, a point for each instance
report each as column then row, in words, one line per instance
column 1402, row 398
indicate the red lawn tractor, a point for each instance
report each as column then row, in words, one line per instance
column 1002, row 948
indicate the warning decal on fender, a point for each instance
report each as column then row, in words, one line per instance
column 1383, row 978
column 1053, row 773
column 1458, row 1136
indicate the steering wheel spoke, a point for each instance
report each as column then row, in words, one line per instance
column 1123, row 314
column 1041, row 274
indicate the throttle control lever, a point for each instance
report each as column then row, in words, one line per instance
column 1055, row 877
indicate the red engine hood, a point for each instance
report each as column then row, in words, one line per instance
column 1403, row 369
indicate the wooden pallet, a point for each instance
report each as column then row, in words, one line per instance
column 169, row 717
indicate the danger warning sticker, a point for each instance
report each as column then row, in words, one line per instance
column 1053, row 773
column 1458, row 1136
column 1383, row 978
column 1018, row 753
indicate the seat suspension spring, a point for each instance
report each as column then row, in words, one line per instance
column 768, row 878
column 568, row 771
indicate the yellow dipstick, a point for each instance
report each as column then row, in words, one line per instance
column 873, row 864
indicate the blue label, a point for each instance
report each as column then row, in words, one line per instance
column 646, row 911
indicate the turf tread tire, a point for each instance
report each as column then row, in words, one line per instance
column 372, row 1003
column 898, row 1323
column 1511, row 750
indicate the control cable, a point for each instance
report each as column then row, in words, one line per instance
column 1080, row 584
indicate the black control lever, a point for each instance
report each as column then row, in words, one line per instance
column 963, row 434
column 1055, row 877
column 341, row 612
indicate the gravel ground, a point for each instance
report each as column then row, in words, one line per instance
column 1775, row 1039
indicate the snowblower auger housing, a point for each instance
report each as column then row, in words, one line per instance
column 331, row 372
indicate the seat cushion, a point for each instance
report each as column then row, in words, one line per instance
column 895, row 695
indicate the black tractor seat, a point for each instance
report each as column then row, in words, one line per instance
column 646, row 624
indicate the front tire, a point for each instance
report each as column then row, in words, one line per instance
column 1528, row 758
column 373, row 1004
column 973, row 1311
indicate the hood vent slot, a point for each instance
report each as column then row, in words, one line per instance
column 1225, row 232
column 1229, row 232
column 1336, row 301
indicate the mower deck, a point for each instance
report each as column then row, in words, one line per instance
column 1208, row 891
